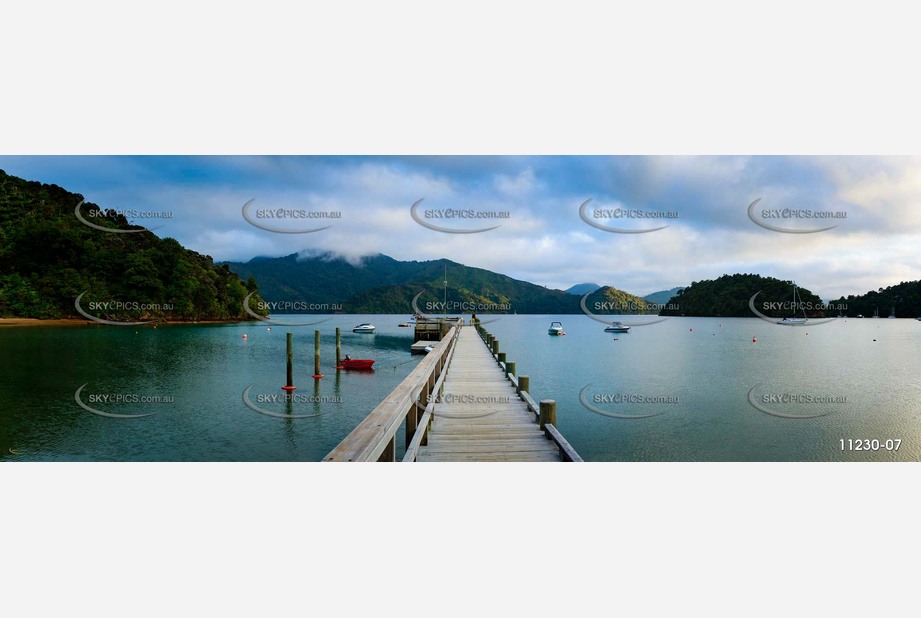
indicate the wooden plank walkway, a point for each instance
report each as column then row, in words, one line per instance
column 480, row 417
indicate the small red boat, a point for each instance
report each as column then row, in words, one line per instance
column 358, row 363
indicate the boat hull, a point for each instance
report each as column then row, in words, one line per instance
column 358, row 363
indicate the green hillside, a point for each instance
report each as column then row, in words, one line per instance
column 380, row 284
column 904, row 298
column 48, row 258
column 728, row 296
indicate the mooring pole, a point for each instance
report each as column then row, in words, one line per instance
column 338, row 351
column 316, row 355
column 289, row 384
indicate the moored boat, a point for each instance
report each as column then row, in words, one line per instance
column 358, row 363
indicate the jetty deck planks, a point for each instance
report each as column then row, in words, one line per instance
column 501, row 429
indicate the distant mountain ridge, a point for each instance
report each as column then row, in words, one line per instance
column 662, row 298
column 381, row 284
column 581, row 289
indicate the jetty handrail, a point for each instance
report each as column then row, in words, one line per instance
column 374, row 439
column 422, row 425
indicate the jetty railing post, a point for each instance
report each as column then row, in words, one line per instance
column 390, row 451
column 412, row 421
column 524, row 384
column 495, row 346
column 509, row 368
column 338, row 350
column 289, row 381
column 547, row 414
column 316, row 355
column 500, row 357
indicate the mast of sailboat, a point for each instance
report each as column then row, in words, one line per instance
column 446, row 293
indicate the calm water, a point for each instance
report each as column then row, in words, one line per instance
column 700, row 371
column 204, row 369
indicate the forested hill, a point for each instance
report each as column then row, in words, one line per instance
column 381, row 284
column 48, row 258
column 904, row 299
column 728, row 296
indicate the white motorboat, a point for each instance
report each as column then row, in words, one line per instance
column 364, row 328
column 556, row 328
column 617, row 327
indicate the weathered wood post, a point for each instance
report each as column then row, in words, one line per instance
column 316, row 355
column 338, row 350
column 524, row 384
column 495, row 346
column 289, row 382
column 547, row 413
column 500, row 357
column 509, row 368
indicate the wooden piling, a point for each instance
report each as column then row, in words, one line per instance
column 338, row 350
column 524, row 384
column 289, row 382
column 509, row 368
column 547, row 413
column 316, row 355
column 500, row 357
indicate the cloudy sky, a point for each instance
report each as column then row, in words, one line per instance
column 544, row 240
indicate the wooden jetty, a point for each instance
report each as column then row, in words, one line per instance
column 463, row 402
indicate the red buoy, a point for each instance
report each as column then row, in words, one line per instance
column 244, row 336
column 288, row 388
column 754, row 340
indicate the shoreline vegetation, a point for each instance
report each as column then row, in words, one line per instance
column 82, row 322
column 56, row 249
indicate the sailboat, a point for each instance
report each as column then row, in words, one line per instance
column 794, row 319
column 892, row 313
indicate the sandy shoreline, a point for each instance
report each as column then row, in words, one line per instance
column 79, row 322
